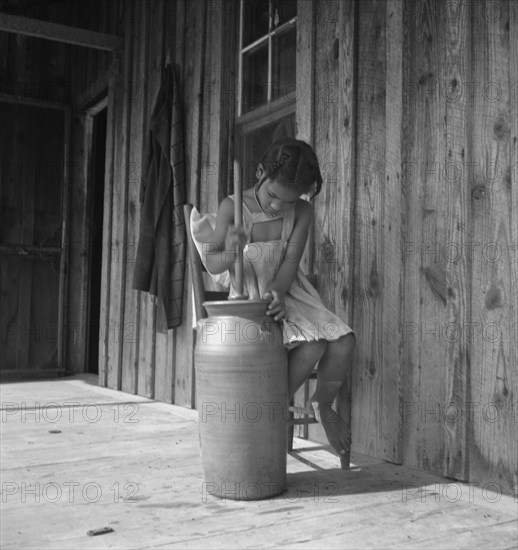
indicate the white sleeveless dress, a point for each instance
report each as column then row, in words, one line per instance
column 308, row 319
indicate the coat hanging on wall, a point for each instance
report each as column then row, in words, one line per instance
column 160, row 261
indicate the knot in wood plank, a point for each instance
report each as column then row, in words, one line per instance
column 501, row 128
column 493, row 298
column 479, row 192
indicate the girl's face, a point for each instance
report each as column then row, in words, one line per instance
column 275, row 196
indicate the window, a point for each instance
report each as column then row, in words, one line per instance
column 267, row 79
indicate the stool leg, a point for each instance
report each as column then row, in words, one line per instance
column 306, row 399
column 291, row 427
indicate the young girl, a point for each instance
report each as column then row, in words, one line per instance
column 274, row 234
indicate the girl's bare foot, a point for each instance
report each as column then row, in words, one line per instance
column 337, row 431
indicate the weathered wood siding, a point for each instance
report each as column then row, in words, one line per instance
column 493, row 375
column 436, row 290
column 377, row 232
column 435, row 299
column 88, row 80
column 139, row 354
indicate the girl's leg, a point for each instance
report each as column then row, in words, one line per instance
column 301, row 361
column 332, row 372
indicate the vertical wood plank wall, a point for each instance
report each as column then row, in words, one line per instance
column 413, row 112
column 435, row 291
column 512, row 186
column 459, row 344
column 494, row 359
column 140, row 355
column 377, row 237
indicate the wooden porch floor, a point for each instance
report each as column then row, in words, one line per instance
column 77, row 457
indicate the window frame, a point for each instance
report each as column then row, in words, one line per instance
column 268, row 38
column 274, row 109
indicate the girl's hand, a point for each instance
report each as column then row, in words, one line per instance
column 235, row 236
column 276, row 307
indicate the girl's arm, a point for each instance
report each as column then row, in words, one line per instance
column 294, row 251
column 221, row 251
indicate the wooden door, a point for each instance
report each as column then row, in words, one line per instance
column 32, row 237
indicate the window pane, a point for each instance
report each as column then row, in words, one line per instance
column 284, row 63
column 255, row 78
column 283, row 10
column 256, row 143
column 255, row 20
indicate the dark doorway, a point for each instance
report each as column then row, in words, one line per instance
column 96, row 242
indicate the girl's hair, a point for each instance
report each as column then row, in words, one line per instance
column 295, row 162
